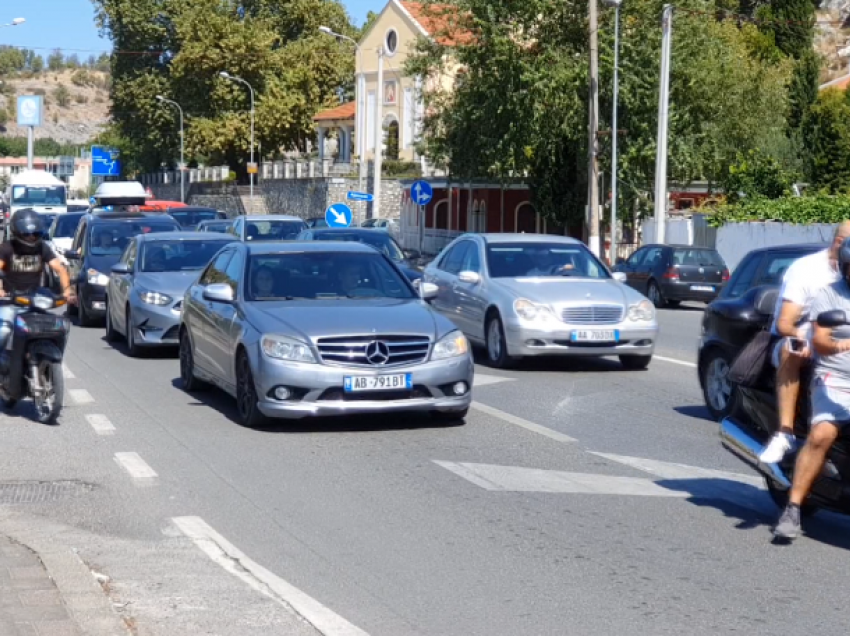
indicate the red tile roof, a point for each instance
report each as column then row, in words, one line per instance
column 345, row 111
column 440, row 21
column 840, row 83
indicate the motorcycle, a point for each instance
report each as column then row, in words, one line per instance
column 31, row 364
column 746, row 432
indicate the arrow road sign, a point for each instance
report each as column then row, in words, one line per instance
column 338, row 215
column 105, row 162
column 422, row 192
column 360, row 196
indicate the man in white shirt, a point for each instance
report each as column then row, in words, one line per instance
column 802, row 282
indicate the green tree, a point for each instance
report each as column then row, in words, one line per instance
column 56, row 61
column 62, row 96
column 757, row 174
column 827, row 131
column 37, row 64
column 11, row 60
column 103, row 64
column 72, row 61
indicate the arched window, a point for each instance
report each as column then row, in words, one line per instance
column 525, row 219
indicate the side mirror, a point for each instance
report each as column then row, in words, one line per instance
column 834, row 318
column 472, row 278
column 72, row 255
column 427, row 291
column 620, row 277
column 121, row 268
column 219, row 292
column 412, row 254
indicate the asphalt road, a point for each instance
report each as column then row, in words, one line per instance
column 578, row 498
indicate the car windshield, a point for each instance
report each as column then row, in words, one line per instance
column 38, row 195
column 517, row 260
column 324, row 276
column 191, row 218
column 379, row 240
column 221, row 226
column 66, row 225
column 179, row 256
column 110, row 239
column 273, row 230
column 705, row 258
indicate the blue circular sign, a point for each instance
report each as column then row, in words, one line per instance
column 421, row 192
column 338, row 215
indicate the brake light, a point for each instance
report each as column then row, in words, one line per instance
column 672, row 274
column 725, row 275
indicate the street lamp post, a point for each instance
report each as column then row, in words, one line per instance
column 233, row 78
column 614, row 133
column 14, row 22
column 163, row 100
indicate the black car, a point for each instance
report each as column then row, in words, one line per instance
column 732, row 320
column 98, row 244
column 669, row 274
column 216, row 225
column 381, row 241
column 189, row 217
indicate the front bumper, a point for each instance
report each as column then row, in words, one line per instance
column 683, row 291
column 525, row 340
column 318, row 388
column 156, row 326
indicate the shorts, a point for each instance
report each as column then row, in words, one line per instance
column 830, row 404
column 786, row 342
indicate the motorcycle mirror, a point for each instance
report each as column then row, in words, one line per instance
column 834, row 318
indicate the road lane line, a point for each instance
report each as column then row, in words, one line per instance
column 518, row 421
column 482, row 379
column 80, row 396
column 229, row 557
column 684, row 363
column 100, row 424
column 67, row 373
column 136, row 467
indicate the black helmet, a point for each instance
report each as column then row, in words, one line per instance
column 27, row 227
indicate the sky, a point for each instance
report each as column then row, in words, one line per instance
column 69, row 24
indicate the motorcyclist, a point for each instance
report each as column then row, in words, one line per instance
column 830, row 395
column 22, row 260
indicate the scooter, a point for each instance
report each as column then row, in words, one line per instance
column 747, row 431
column 31, row 364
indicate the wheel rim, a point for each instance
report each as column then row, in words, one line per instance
column 46, row 401
column 717, row 384
column 185, row 360
column 245, row 393
column 494, row 340
column 654, row 294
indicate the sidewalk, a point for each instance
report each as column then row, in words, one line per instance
column 30, row 603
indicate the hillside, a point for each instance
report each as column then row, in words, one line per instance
column 77, row 103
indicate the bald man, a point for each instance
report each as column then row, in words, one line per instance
column 802, row 283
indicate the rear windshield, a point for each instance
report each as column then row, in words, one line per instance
column 111, row 238
column 704, row 258
column 191, row 218
column 273, row 230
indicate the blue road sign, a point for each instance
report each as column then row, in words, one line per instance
column 338, row 215
column 360, row 196
column 92, row 200
column 30, row 110
column 422, row 192
column 105, row 162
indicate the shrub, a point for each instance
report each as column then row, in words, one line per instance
column 80, row 98
column 818, row 208
column 82, row 77
column 62, row 96
column 394, row 168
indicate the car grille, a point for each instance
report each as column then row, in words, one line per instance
column 340, row 395
column 351, row 350
column 593, row 314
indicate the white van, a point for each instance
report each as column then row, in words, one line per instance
column 39, row 190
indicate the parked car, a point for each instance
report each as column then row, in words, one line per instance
column 100, row 240
column 530, row 295
column 320, row 328
column 732, row 320
column 189, row 217
column 381, row 241
column 146, row 287
column 267, row 227
column 220, row 226
column 669, row 274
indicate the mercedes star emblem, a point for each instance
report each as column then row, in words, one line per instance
column 377, row 352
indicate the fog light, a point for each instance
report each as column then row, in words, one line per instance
column 459, row 388
column 282, row 393
column 98, row 305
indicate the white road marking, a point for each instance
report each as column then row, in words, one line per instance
column 229, row 557
column 67, row 373
column 668, row 470
column 482, row 379
column 684, row 363
column 136, row 467
column 100, row 424
column 522, row 423
column 519, row 479
column 80, row 396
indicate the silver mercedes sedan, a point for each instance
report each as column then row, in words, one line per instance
column 320, row 328
column 530, row 295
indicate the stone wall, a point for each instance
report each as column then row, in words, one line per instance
column 309, row 198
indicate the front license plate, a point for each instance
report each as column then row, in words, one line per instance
column 595, row 335
column 708, row 288
column 397, row 382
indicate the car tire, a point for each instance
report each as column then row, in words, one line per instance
column 83, row 318
column 674, row 303
column 133, row 350
column 246, row 395
column 780, row 498
column 653, row 292
column 191, row 384
column 112, row 334
column 497, row 351
column 450, row 418
column 635, row 363
column 720, row 395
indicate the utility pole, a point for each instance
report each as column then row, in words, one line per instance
column 379, row 136
column 593, row 160
column 614, row 132
column 663, row 113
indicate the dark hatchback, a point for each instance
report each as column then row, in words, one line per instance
column 669, row 274
column 98, row 244
column 191, row 216
column 740, row 311
column 381, row 241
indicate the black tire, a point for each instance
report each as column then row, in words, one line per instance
column 674, row 303
column 133, row 350
column 653, row 292
column 112, row 334
column 48, row 411
column 780, row 498
column 720, row 395
column 497, row 353
column 246, row 395
column 452, row 418
column 635, row 363
column 9, row 404
column 191, row 384
column 83, row 318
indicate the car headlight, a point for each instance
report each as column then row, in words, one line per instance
column 528, row 310
column 155, row 298
column 283, row 348
column 642, row 311
column 96, row 278
column 451, row 345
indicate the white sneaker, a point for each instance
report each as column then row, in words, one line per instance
column 779, row 446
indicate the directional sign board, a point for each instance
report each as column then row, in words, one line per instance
column 421, row 192
column 338, row 215
column 105, row 162
column 65, row 167
column 360, row 196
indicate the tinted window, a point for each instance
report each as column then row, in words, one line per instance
column 215, row 271
column 454, row 259
column 380, row 241
column 178, row 256
column 743, row 278
column 233, row 273
column 775, row 267
column 38, row 195
column 66, row 225
column 653, row 257
column 112, row 238
column 472, row 260
column 273, row 230
column 191, row 217
column 515, row 260
column 704, row 258
column 220, row 228
column 636, row 258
